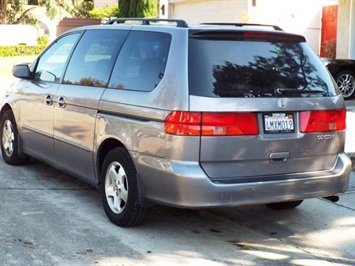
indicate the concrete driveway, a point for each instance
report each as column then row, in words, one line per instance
column 50, row 218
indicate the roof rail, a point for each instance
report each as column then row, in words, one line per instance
column 244, row 25
column 146, row 21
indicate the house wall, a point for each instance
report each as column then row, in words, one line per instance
column 346, row 29
column 103, row 3
column 18, row 34
column 298, row 16
column 199, row 11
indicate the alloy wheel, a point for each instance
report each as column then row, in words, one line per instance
column 116, row 187
column 8, row 138
column 346, row 84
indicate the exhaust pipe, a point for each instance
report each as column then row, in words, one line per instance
column 333, row 198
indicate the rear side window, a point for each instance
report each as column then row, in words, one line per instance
column 141, row 63
column 93, row 58
column 225, row 66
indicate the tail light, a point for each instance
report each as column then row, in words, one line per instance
column 211, row 124
column 322, row 121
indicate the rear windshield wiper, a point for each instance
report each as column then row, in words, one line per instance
column 292, row 91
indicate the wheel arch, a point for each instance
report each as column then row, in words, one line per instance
column 15, row 111
column 105, row 147
column 344, row 70
column 5, row 108
column 24, row 158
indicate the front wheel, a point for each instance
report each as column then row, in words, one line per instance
column 346, row 84
column 119, row 190
column 9, row 140
column 284, row 205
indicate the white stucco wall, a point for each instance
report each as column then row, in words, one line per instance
column 297, row 16
column 103, row 3
column 199, row 11
column 346, row 29
column 163, row 8
column 15, row 34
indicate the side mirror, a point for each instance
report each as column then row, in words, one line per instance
column 21, row 71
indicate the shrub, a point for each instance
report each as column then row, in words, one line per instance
column 21, row 50
column 105, row 12
column 43, row 40
column 330, row 48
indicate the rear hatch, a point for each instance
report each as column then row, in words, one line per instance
column 266, row 105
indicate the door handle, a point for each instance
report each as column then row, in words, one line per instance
column 279, row 157
column 61, row 101
column 48, row 99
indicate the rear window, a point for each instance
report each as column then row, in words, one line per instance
column 227, row 65
column 142, row 60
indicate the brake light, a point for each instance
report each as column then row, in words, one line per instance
column 256, row 35
column 183, row 123
column 322, row 121
column 211, row 124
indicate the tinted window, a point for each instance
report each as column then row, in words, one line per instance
column 93, row 58
column 51, row 64
column 255, row 68
column 141, row 63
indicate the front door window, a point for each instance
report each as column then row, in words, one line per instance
column 51, row 64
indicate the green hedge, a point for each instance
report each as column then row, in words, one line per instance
column 21, row 50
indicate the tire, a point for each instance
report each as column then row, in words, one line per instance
column 284, row 205
column 119, row 190
column 346, row 84
column 9, row 140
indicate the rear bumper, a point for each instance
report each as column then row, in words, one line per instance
column 185, row 185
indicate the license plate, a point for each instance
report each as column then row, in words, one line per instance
column 278, row 123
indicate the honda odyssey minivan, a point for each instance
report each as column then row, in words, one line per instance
column 159, row 112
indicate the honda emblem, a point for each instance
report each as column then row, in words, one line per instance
column 282, row 104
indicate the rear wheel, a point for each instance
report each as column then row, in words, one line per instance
column 9, row 140
column 284, row 205
column 119, row 190
column 346, row 84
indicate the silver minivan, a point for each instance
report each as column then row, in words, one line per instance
column 186, row 116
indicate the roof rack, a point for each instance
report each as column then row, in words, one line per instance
column 244, row 25
column 146, row 21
